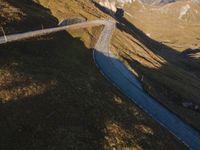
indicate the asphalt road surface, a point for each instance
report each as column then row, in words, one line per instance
column 119, row 75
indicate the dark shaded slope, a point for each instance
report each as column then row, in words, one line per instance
column 53, row 97
column 22, row 15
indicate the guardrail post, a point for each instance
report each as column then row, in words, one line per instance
column 4, row 34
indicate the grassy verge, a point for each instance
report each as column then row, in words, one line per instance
column 165, row 73
column 53, row 97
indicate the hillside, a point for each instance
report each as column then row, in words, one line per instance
column 52, row 96
column 163, row 51
column 160, row 44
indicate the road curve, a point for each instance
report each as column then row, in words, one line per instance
column 116, row 72
column 120, row 76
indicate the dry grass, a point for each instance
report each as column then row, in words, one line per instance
column 168, row 83
column 166, row 73
column 21, row 16
column 53, row 96
column 164, row 26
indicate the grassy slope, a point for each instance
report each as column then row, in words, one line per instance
column 53, row 97
column 163, row 24
column 21, row 16
column 164, row 72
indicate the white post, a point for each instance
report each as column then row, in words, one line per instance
column 42, row 26
column 4, row 34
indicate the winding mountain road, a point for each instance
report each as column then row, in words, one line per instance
column 116, row 72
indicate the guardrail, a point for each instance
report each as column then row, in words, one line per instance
column 21, row 36
column 123, row 80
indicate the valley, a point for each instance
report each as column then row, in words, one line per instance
column 52, row 93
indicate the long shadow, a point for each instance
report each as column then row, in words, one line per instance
column 29, row 16
column 190, row 51
column 189, row 54
column 169, row 54
column 175, row 60
column 76, row 108
column 104, row 9
column 67, row 115
column 53, row 97
column 117, row 79
column 57, row 117
column 167, row 72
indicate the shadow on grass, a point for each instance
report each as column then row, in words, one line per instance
column 78, row 111
column 29, row 16
column 169, row 54
column 177, row 80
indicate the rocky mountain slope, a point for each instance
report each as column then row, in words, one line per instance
column 176, row 24
column 157, row 2
column 147, row 2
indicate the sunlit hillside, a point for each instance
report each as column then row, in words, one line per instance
column 163, row 51
column 52, row 96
